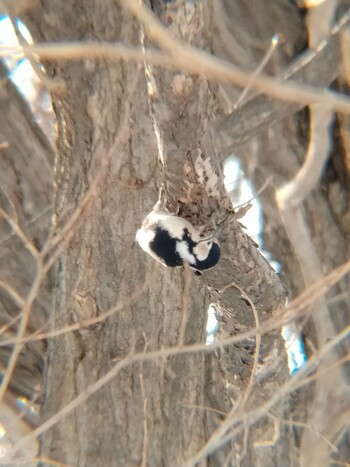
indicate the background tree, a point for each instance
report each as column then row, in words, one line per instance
column 140, row 104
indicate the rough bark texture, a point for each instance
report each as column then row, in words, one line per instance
column 103, row 264
column 26, row 161
column 135, row 133
column 241, row 263
column 279, row 150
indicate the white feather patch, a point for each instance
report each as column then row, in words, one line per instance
column 182, row 249
column 144, row 237
column 202, row 251
column 174, row 225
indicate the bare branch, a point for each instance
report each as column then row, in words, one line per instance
column 197, row 62
column 12, row 292
column 21, row 331
column 295, row 192
column 185, row 304
column 317, row 67
column 253, row 415
column 51, row 84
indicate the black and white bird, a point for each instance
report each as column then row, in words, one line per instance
column 173, row 241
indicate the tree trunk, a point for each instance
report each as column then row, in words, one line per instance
column 314, row 239
column 122, row 390
column 26, row 196
column 147, row 413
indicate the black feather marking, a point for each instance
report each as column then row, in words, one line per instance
column 188, row 239
column 211, row 260
column 164, row 247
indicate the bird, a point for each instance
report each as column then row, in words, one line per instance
column 173, row 241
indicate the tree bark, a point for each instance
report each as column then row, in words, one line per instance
column 121, row 134
column 93, row 128
column 147, row 413
column 323, row 242
column 26, row 196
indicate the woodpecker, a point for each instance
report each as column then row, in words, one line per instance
column 173, row 241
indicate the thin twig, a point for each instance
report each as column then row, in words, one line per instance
column 21, row 330
column 199, row 61
column 257, row 194
column 193, row 61
column 27, row 306
column 280, row 318
column 249, row 389
column 251, row 416
column 21, row 235
column 40, row 460
column 13, row 294
column 304, row 425
column 274, row 43
column 239, row 407
column 291, row 385
column 145, row 427
column 53, row 84
column 124, row 303
column 10, row 323
column 337, row 462
column 187, row 275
